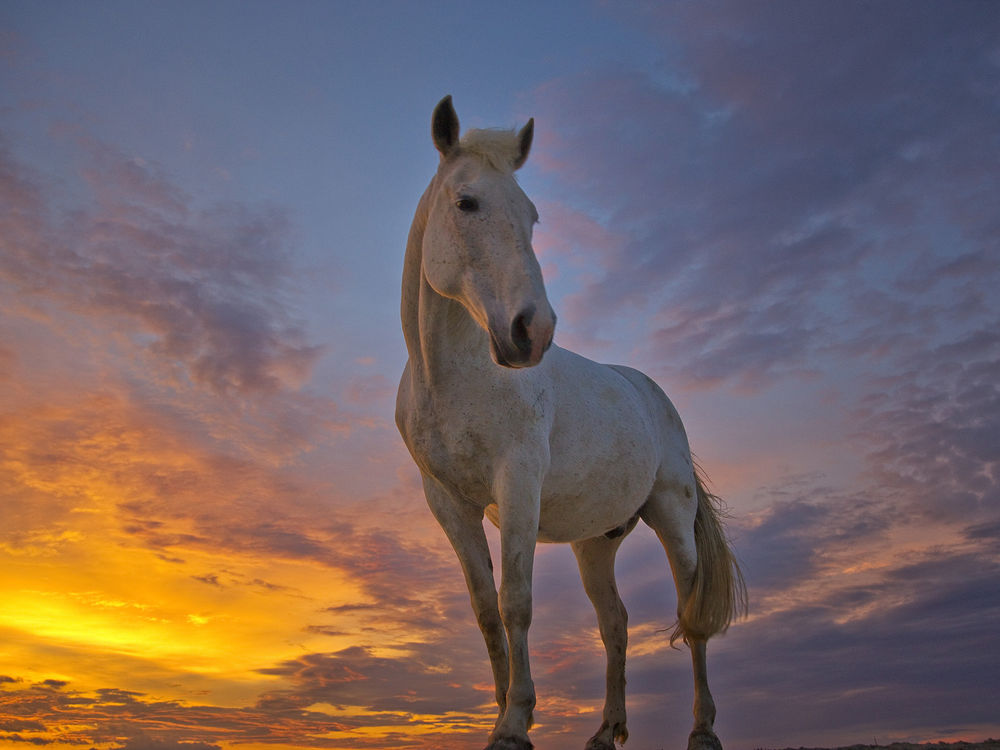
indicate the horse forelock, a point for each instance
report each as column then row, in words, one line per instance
column 497, row 148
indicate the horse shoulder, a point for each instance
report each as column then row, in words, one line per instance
column 468, row 431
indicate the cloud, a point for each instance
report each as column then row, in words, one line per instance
column 156, row 363
column 146, row 743
column 788, row 218
column 68, row 716
column 201, row 289
column 933, row 430
column 419, row 678
column 853, row 657
column 159, row 420
column 787, row 168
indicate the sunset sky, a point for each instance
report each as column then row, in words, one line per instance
column 211, row 534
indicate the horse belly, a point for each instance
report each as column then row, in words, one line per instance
column 605, row 452
column 596, row 497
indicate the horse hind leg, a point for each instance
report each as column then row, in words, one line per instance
column 710, row 587
column 596, row 559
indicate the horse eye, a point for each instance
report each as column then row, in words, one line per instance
column 467, row 204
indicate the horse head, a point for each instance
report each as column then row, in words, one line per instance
column 477, row 241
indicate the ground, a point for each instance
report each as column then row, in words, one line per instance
column 989, row 744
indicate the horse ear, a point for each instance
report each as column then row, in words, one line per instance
column 444, row 126
column 524, row 143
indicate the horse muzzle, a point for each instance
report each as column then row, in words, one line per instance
column 524, row 342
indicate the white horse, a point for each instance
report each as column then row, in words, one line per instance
column 550, row 446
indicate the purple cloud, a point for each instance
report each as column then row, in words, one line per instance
column 789, row 166
column 802, row 201
column 205, row 289
column 787, row 215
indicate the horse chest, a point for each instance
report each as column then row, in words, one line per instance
column 456, row 455
column 452, row 438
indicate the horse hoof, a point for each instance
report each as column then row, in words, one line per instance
column 596, row 743
column 510, row 743
column 703, row 739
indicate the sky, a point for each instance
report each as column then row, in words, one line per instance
column 211, row 534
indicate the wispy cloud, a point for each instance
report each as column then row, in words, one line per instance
column 750, row 193
column 203, row 290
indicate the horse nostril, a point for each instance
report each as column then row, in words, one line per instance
column 519, row 331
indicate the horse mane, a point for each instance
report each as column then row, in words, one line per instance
column 496, row 147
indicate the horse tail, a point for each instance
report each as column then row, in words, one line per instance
column 719, row 593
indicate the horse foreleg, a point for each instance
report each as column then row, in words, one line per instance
column 596, row 559
column 463, row 524
column 518, row 505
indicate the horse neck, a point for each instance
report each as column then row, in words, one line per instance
column 441, row 337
